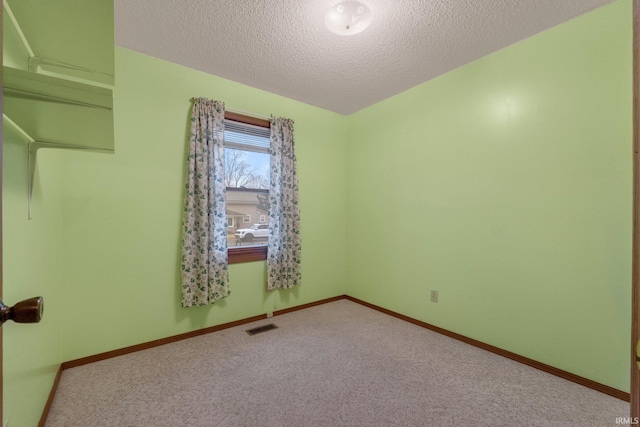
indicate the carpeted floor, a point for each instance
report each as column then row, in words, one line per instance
column 337, row 364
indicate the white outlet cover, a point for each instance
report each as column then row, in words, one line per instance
column 434, row 295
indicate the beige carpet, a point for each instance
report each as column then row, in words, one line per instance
column 338, row 364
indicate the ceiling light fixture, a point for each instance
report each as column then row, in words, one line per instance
column 348, row 18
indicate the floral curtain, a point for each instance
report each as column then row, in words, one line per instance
column 205, row 277
column 283, row 253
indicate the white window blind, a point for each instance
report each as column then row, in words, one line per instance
column 242, row 136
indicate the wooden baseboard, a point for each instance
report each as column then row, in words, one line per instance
column 52, row 394
column 504, row 353
column 308, row 305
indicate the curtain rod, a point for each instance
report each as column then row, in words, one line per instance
column 246, row 113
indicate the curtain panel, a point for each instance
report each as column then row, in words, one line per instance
column 283, row 253
column 205, row 277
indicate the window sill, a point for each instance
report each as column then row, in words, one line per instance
column 247, row 254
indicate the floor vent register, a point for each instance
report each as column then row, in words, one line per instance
column 261, row 329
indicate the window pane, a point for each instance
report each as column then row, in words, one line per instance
column 245, row 204
column 246, row 169
column 247, row 180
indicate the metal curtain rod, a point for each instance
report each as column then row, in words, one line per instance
column 246, row 113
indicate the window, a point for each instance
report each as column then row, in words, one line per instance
column 229, row 222
column 247, row 165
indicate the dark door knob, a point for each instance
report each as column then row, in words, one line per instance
column 27, row 311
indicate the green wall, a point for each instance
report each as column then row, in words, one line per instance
column 506, row 186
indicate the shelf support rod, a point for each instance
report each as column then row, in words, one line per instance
column 13, row 19
column 36, row 62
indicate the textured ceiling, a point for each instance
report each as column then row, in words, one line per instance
column 283, row 46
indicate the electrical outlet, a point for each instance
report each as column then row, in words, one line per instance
column 434, row 295
column 269, row 314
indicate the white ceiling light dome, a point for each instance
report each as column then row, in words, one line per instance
column 348, row 18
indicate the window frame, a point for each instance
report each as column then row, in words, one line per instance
column 241, row 254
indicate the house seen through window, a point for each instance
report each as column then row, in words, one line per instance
column 247, row 163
